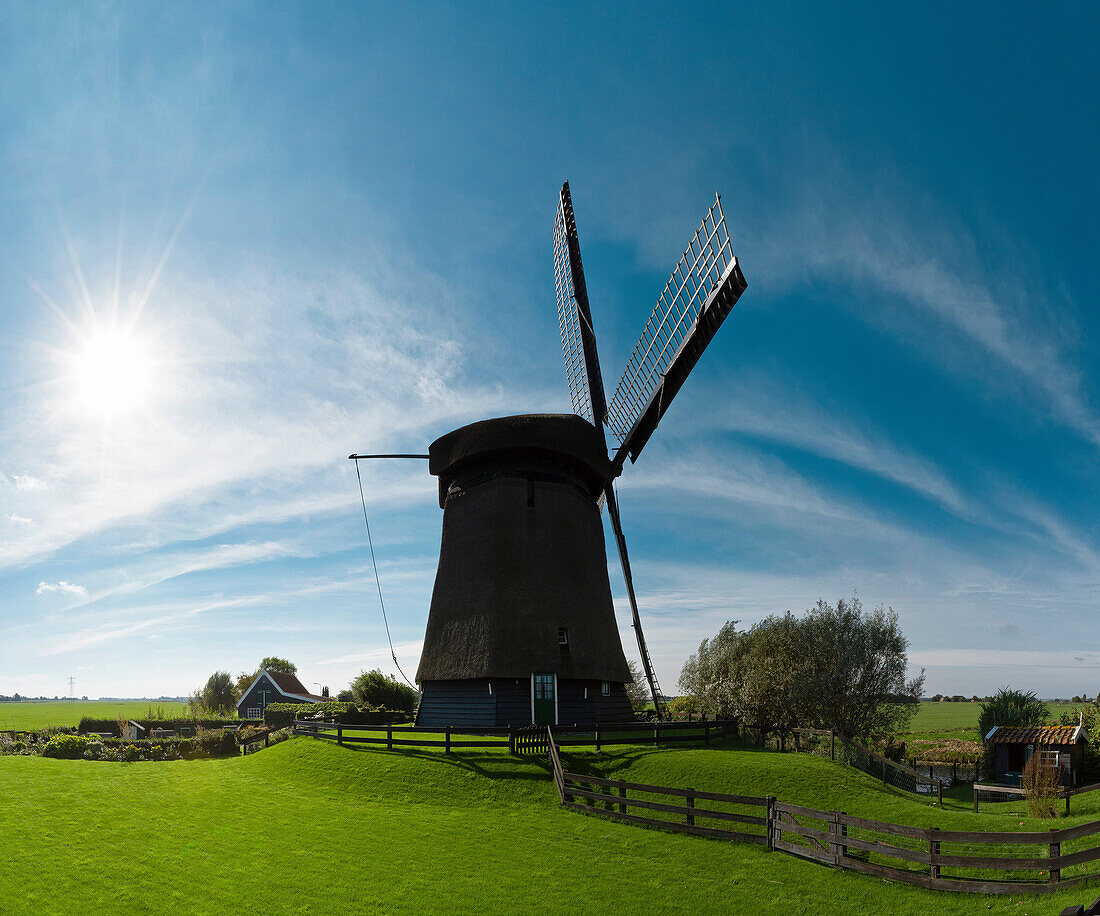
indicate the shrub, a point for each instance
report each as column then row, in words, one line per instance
column 65, row 747
column 1042, row 785
column 216, row 742
column 282, row 715
column 184, row 747
column 111, row 725
column 682, row 707
column 383, row 691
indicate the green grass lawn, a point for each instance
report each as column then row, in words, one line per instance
column 34, row 714
column 309, row 827
column 937, row 718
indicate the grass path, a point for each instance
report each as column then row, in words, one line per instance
column 308, row 827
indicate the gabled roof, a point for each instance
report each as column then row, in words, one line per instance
column 1037, row 734
column 287, row 685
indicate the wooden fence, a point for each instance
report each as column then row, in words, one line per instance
column 1083, row 909
column 995, row 789
column 951, row 860
column 862, row 758
column 527, row 739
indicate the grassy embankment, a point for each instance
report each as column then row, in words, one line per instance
column 310, row 827
column 25, row 716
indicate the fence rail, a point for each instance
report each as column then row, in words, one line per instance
column 1066, row 792
column 987, row 862
column 526, row 739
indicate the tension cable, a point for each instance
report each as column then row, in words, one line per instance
column 374, row 563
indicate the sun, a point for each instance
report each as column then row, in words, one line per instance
column 112, row 372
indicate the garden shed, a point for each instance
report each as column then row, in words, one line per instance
column 273, row 687
column 1060, row 746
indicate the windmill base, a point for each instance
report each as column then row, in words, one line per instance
column 508, row 702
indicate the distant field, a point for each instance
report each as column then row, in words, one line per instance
column 63, row 712
column 934, row 718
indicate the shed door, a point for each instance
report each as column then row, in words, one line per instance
column 544, row 705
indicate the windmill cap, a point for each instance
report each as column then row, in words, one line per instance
column 541, row 434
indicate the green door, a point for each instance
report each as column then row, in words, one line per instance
column 545, row 702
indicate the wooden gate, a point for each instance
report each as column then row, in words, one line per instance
column 805, row 832
column 532, row 739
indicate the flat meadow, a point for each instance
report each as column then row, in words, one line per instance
column 33, row 714
column 310, row 827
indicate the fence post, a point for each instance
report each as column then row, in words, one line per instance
column 691, row 808
column 597, row 739
column 339, row 734
column 834, row 832
column 447, row 740
column 389, row 738
column 933, row 853
column 770, row 828
column 939, row 791
column 832, row 744
column 622, row 794
column 974, row 786
column 1067, row 799
column 656, row 735
column 1055, row 851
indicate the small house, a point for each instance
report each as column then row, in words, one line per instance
column 1059, row 746
column 273, row 687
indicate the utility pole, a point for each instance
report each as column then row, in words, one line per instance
column 72, row 680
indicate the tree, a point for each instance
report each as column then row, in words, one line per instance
column 834, row 667
column 857, row 670
column 711, row 674
column 217, row 697
column 638, row 688
column 1010, row 707
column 373, row 688
column 271, row 663
column 281, row 665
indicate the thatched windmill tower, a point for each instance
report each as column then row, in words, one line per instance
column 522, row 627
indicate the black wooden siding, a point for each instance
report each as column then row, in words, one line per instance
column 469, row 702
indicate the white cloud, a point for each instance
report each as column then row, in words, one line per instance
column 27, row 483
column 21, row 520
column 62, row 586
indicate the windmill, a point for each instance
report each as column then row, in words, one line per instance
column 521, row 626
column 702, row 290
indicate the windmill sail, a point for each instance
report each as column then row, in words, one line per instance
column 578, row 340
column 701, row 292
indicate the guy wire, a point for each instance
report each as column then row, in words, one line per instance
column 377, row 580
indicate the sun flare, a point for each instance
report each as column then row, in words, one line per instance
column 113, row 372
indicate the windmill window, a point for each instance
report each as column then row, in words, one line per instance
column 605, row 688
column 563, row 637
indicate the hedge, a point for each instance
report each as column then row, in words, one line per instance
column 111, row 725
column 282, row 715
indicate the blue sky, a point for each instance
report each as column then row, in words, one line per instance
column 326, row 228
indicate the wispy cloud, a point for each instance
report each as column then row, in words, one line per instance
column 67, row 588
column 1012, row 330
column 21, row 520
column 767, row 409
